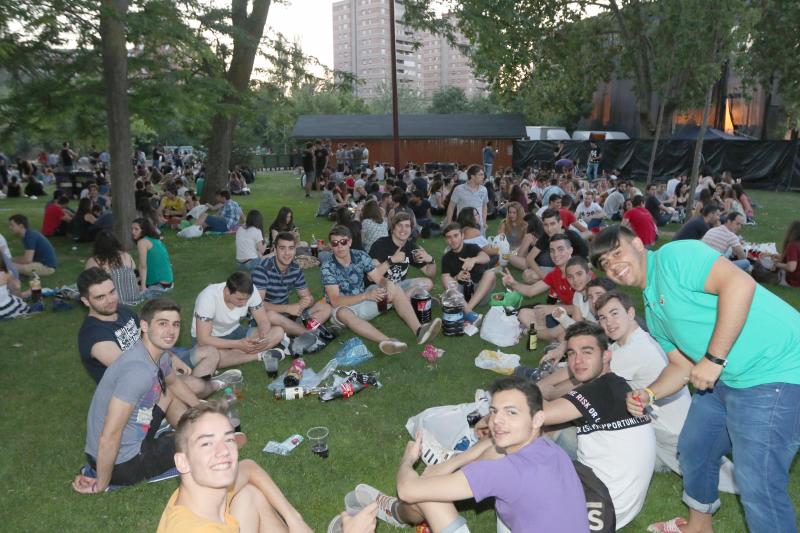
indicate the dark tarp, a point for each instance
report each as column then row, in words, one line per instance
column 690, row 133
column 761, row 164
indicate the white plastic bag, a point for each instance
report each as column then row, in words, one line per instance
column 499, row 328
column 191, row 232
column 503, row 248
column 448, row 425
column 497, row 361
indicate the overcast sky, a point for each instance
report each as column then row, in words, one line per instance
column 308, row 21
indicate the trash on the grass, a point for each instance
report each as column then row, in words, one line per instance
column 347, row 383
column 431, row 353
column 353, row 352
column 284, row 448
column 497, row 361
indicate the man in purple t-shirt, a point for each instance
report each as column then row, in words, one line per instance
column 533, row 481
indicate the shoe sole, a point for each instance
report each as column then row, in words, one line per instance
column 392, row 348
column 433, row 330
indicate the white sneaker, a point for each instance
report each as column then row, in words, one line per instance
column 365, row 494
column 392, row 346
column 226, row 378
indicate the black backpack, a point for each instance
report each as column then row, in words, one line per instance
column 599, row 506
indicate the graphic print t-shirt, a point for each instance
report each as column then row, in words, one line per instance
column 124, row 331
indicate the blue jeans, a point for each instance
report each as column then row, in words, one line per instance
column 487, row 170
column 591, row 171
column 761, row 426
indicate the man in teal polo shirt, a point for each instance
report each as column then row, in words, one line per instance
column 739, row 345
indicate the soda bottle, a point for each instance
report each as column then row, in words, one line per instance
column 36, row 288
column 315, row 326
column 345, row 390
column 295, row 373
column 532, row 338
column 314, row 246
column 468, row 289
column 233, row 409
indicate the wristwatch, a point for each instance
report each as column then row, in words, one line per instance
column 716, row 360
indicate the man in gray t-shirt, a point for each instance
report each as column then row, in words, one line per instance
column 469, row 194
column 134, row 395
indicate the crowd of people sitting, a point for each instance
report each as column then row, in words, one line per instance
column 617, row 403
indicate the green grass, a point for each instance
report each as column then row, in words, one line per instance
column 47, row 393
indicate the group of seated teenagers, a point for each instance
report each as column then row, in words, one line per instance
column 593, row 325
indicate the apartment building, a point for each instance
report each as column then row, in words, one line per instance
column 361, row 46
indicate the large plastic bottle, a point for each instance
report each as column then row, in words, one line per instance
column 453, row 310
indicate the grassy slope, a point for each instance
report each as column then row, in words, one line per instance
column 48, row 392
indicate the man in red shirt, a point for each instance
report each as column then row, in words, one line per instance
column 56, row 217
column 555, row 283
column 639, row 219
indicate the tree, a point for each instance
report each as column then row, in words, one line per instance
column 449, row 100
column 115, row 76
column 247, row 30
column 409, row 101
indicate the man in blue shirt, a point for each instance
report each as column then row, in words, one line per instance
column 739, row 345
column 230, row 214
column 39, row 256
column 354, row 306
column 488, row 159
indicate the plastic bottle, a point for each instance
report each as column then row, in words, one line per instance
column 36, row 288
column 315, row 326
column 345, row 390
column 295, row 373
column 422, row 304
column 314, row 246
column 533, row 339
column 468, row 289
column 233, row 408
column 453, row 311
column 289, row 393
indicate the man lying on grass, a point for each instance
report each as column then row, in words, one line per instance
column 533, row 481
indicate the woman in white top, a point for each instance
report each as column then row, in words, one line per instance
column 250, row 244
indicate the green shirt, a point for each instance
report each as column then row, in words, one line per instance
column 680, row 314
column 159, row 268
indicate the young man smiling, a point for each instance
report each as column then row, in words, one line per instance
column 466, row 263
column 618, row 447
column 739, row 345
column 532, row 480
column 217, row 492
column 137, row 391
column 393, row 254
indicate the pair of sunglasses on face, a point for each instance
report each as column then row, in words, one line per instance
column 342, row 242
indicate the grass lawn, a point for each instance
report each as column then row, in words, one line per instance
column 48, row 392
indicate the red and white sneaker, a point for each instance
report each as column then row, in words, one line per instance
column 670, row 526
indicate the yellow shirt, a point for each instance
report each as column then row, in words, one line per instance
column 180, row 519
column 173, row 204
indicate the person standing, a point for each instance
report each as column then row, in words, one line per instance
column 308, row 167
column 488, row 159
column 739, row 345
column 593, row 165
column 469, row 194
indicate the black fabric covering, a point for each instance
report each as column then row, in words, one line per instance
column 760, row 164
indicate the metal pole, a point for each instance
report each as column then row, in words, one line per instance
column 395, row 123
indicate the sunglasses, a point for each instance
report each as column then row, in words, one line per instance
column 342, row 242
column 161, row 381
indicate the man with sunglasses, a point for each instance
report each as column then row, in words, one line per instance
column 137, row 391
column 354, row 305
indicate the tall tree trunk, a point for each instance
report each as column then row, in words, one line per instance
column 248, row 30
column 115, row 76
column 698, row 146
column 653, row 151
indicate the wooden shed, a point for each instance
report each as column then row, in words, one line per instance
column 423, row 138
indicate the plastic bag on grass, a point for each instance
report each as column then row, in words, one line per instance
column 353, row 352
column 499, row 328
column 497, row 361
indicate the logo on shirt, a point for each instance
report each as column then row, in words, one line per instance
column 127, row 335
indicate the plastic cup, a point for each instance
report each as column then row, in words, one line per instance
column 318, row 438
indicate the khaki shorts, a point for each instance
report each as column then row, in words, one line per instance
column 366, row 310
column 29, row 268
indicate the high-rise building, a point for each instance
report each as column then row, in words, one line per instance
column 361, row 46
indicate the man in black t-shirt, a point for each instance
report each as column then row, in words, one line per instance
column 67, row 157
column 696, row 227
column 393, row 254
column 320, row 159
column 661, row 214
column 422, row 213
column 620, row 448
column 109, row 329
column 466, row 263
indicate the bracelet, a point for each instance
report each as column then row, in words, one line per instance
column 651, row 394
column 716, row 360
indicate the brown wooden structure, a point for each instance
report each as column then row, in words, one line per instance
column 423, row 138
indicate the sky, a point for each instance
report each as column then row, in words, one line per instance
column 307, row 21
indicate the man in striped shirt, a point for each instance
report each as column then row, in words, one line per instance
column 725, row 239
column 275, row 277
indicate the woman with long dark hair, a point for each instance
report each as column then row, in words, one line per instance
column 109, row 255
column 789, row 260
column 250, row 245
column 284, row 221
column 83, row 221
column 373, row 225
column 155, row 269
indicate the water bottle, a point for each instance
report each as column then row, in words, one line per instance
column 233, row 409
column 453, row 311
